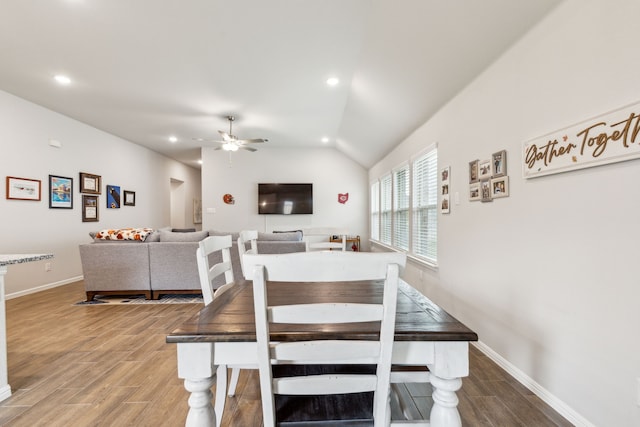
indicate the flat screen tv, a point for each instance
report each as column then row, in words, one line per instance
column 285, row 199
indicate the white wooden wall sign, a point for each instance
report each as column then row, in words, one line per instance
column 609, row 138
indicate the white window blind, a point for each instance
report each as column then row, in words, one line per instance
column 401, row 199
column 425, row 199
column 375, row 210
column 385, row 209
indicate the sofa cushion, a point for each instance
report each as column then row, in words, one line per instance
column 294, row 236
column 234, row 235
column 170, row 236
column 123, row 234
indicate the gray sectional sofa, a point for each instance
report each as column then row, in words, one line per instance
column 164, row 262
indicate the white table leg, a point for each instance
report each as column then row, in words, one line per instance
column 5, row 389
column 445, row 402
column 195, row 366
column 451, row 363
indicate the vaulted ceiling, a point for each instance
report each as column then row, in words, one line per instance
column 145, row 70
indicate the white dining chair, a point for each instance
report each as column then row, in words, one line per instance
column 244, row 237
column 207, row 274
column 325, row 267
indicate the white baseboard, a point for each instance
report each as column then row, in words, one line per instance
column 562, row 408
column 5, row 392
column 43, row 287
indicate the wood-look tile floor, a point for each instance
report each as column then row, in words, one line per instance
column 110, row 366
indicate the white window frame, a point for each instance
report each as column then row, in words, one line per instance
column 401, row 214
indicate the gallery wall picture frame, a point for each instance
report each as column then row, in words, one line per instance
column 499, row 163
column 473, row 171
column 484, row 169
column 90, row 184
column 90, row 211
column 445, row 203
column 60, row 192
column 113, row 197
column 23, row 189
column 500, row 187
column 474, row 192
column 485, row 190
column 129, row 198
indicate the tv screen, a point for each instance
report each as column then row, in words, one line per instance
column 285, row 199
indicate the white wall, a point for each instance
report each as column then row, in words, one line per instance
column 329, row 171
column 31, row 227
column 548, row 277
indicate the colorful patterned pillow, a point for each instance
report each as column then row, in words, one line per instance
column 139, row 234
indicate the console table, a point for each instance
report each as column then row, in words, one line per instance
column 5, row 260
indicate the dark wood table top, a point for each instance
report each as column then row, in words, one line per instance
column 230, row 317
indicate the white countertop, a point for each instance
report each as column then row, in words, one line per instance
column 6, row 259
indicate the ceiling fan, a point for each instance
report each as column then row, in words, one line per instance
column 230, row 142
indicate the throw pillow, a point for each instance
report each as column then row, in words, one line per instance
column 124, row 234
column 170, row 236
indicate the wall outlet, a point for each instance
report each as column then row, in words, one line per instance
column 47, row 266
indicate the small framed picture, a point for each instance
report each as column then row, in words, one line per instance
column 499, row 163
column 129, row 198
column 113, row 197
column 484, row 169
column 473, row 171
column 89, row 208
column 500, row 187
column 90, row 184
column 485, row 190
column 474, row 192
column 444, row 190
column 60, row 192
column 23, row 188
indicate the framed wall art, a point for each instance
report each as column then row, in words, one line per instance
column 485, row 190
column 197, row 211
column 60, row 192
column 90, row 183
column 23, row 188
column 473, row 171
column 500, row 187
column 113, row 197
column 89, row 208
column 474, row 192
column 499, row 163
column 444, row 190
column 129, row 198
column 484, row 169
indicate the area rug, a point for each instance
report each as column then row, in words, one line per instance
column 130, row 300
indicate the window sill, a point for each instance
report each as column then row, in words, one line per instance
column 413, row 258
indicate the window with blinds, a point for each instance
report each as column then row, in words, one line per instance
column 401, row 198
column 385, row 209
column 424, row 209
column 375, row 211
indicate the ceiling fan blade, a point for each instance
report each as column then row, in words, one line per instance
column 252, row 140
column 208, row 140
column 225, row 135
column 244, row 147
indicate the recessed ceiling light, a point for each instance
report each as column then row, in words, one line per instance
column 332, row 81
column 173, row 139
column 325, row 139
column 63, row 80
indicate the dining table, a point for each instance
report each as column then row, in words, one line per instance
column 223, row 333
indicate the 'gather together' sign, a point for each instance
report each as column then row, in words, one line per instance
column 612, row 137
